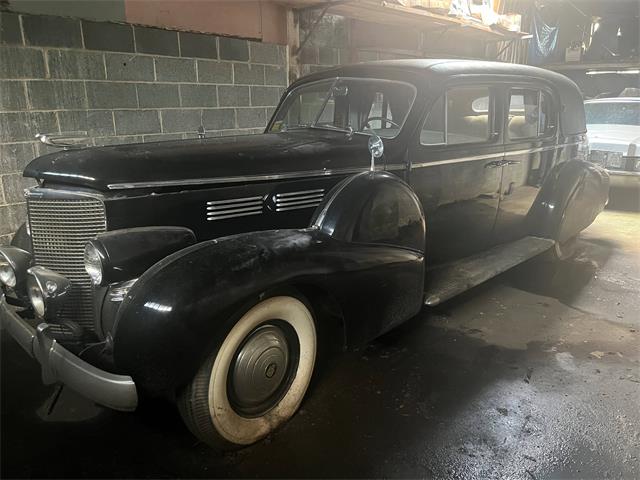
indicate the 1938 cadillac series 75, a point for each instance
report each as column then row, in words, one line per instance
column 206, row 270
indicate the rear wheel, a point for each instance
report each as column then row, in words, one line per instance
column 256, row 379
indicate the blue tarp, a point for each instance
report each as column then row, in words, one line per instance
column 544, row 41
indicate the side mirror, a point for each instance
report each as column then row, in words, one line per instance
column 376, row 149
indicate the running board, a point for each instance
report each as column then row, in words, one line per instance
column 449, row 280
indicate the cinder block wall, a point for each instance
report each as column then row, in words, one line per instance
column 121, row 84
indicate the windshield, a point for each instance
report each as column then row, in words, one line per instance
column 347, row 104
column 618, row 113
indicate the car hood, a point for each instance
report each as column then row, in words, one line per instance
column 203, row 161
column 614, row 138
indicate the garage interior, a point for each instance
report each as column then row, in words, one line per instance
column 533, row 374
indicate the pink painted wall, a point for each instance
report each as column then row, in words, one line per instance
column 260, row 20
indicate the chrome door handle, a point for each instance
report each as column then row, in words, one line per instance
column 495, row 164
column 512, row 162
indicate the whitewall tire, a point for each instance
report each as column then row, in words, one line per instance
column 257, row 378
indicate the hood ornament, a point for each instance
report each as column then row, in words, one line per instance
column 376, row 148
column 65, row 140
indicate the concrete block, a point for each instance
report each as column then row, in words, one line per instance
column 276, row 76
column 10, row 29
column 15, row 127
column 158, row 95
column 219, row 118
column 15, row 156
column 155, row 40
column 267, row 53
column 328, row 56
column 248, row 74
column 118, row 140
column 129, row 122
column 181, row 120
column 12, row 96
column 13, row 186
column 11, row 217
column 97, row 123
column 251, row 117
column 265, row 96
column 161, row 137
column 20, row 62
column 111, row 37
column 76, row 64
column 233, row 96
column 129, row 67
column 233, row 49
column 214, row 72
column 111, row 95
column 175, row 70
column 45, row 31
column 56, row 95
column 198, row 95
column 198, row 45
column 309, row 55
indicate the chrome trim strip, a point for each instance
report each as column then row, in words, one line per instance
column 297, row 207
column 239, row 179
column 313, row 173
column 302, row 198
column 623, row 173
column 234, row 215
column 491, row 155
column 301, row 192
column 235, row 210
column 230, row 206
column 233, row 200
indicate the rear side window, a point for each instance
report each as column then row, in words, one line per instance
column 529, row 114
column 463, row 115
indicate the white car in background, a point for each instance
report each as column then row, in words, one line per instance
column 613, row 130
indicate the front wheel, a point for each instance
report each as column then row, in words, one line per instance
column 256, row 379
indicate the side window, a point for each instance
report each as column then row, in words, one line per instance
column 466, row 124
column 530, row 114
column 466, row 119
column 432, row 132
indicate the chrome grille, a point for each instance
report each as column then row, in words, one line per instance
column 235, row 207
column 61, row 224
column 296, row 200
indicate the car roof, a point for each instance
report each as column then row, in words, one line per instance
column 444, row 68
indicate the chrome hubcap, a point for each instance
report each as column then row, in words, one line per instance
column 260, row 373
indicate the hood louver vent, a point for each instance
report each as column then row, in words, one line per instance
column 295, row 200
column 237, row 207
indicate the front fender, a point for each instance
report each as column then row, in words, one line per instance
column 570, row 199
column 180, row 309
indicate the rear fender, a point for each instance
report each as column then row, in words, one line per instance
column 180, row 309
column 573, row 195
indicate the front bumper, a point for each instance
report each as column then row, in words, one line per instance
column 60, row 365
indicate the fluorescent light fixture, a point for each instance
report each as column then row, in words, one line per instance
column 634, row 71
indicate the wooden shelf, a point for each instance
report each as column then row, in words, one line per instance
column 377, row 11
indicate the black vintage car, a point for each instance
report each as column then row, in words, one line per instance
column 212, row 270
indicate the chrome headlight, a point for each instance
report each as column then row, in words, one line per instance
column 93, row 263
column 14, row 263
column 47, row 290
column 7, row 275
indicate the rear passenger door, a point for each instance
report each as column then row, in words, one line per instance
column 530, row 139
column 456, row 170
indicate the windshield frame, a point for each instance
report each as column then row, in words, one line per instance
column 332, row 81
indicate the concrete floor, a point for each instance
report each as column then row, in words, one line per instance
column 535, row 374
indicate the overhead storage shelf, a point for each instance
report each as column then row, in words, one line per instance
column 377, row 11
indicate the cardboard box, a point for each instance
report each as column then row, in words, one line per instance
column 427, row 4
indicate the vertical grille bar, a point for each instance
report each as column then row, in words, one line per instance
column 61, row 224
